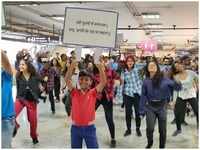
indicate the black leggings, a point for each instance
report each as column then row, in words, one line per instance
column 57, row 88
column 180, row 107
column 129, row 102
column 108, row 109
column 51, row 99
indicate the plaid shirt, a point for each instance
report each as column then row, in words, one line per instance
column 50, row 73
column 132, row 82
column 109, row 88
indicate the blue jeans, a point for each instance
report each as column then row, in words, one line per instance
column 7, row 131
column 87, row 133
column 154, row 111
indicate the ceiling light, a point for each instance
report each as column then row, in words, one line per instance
column 23, row 5
column 153, row 25
column 157, row 33
column 29, row 4
column 59, row 18
column 151, row 15
column 35, row 4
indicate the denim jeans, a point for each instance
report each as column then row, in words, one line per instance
column 154, row 111
column 7, row 131
column 87, row 133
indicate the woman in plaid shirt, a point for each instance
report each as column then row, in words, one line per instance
column 106, row 97
column 132, row 84
column 48, row 74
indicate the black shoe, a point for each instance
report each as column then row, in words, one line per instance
column 128, row 132
column 173, row 121
column 113, row 143
column 162, row 146
column 15, row 131
column 184, row 123
column 138, row 132
column 149, row 145
column 35, row 141
column 53, row 112
column 43, row 98
column 176, row 132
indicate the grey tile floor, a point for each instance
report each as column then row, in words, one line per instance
column 54, row 131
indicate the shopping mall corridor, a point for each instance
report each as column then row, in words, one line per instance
column 54, row 130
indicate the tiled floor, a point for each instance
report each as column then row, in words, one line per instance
column 54, row 131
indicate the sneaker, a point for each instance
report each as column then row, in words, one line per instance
column 35, row 141
column 138, row 133
column 184, row 123
column 121, row 109
column 127, row 133
column 176, row 132
column 15, row 131
column 113, row 143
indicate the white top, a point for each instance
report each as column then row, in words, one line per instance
column 188, row 86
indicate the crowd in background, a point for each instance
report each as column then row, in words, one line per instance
column 43, row 78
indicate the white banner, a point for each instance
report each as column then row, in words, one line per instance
column 90, row 27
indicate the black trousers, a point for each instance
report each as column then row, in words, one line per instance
column 153, row 112
column 57, row 87
column 182, row 116
column 67, row 102
column 180, row 107
column 51, row 99
column 108, row 109
column 129, row 102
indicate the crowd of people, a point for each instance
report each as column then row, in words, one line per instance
column 148, row 84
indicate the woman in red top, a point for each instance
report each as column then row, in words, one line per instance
column 106, row 98
column 83, row 107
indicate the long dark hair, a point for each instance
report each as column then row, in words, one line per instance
column 30, row 68
column 156, row 80
column 173, row 70
column 57, row 65
column 129, row 57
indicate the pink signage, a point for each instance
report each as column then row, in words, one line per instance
column 148, row 45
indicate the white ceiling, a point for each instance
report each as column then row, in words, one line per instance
column 182, row 14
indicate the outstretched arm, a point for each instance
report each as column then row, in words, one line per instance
column 103, row 79
column 5, row 63
column 69, row 74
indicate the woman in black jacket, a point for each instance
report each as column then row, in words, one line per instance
column 28, row 90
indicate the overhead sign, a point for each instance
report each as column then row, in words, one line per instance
column 90, row 27
column 148, row 45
